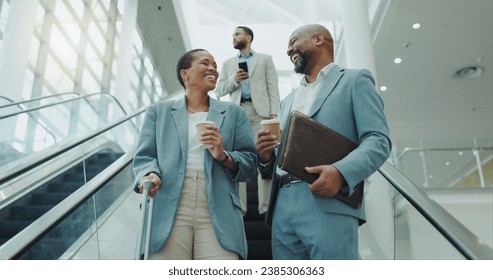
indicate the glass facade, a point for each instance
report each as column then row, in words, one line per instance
column 74, row 48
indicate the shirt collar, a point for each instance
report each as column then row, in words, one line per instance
column 250, row 54
column 321, row 75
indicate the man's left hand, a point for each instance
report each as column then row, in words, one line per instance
column 328, row 183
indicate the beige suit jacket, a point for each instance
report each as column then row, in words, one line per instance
column 264, row 86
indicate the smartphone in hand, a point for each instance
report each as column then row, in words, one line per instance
column 244, row 66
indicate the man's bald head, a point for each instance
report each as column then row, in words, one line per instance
column 317, row 29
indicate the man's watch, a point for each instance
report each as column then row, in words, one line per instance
column 225, row 158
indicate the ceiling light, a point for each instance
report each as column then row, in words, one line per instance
column 383, row 88
column 397, row 60
column 469, row 72
column 416, row 25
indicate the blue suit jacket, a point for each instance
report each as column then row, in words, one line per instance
column 349, row 104
column 163, row 148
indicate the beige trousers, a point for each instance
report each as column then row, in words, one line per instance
column 264, row 186
column 192, row 236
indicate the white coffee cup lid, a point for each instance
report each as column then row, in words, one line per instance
column 206, row 122
column 269, row 121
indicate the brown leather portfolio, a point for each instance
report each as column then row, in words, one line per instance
column 310, row 143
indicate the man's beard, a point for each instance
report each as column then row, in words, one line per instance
column 302, row 62
column 240, row 45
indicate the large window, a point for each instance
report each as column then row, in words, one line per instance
column 74, row 48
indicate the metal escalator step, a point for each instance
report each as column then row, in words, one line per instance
column 252, row 185
column 47, row 198
column 12, row 227
column 28, row 212
column 257, row 230
column 252, row 213
column 68, row 187
column 259, row 250
column 252, row 198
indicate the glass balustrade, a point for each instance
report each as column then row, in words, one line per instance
column 12, row 106
column 66, row 176
column 451, row 163
column 33, row 131
column 4, row 101
column 395, row 229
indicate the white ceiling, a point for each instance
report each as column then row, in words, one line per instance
column 423, row 103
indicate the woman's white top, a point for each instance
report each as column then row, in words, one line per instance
column 195, row 158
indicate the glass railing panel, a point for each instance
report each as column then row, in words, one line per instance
column 113, row 235
column 417, row 239
column 59, row 239
column 106, row 106
column 395, row 229
column 33, row 133
column 82, row 164
column 4, row 101
column 447, row 163
column 12, row 107
column 377, row 235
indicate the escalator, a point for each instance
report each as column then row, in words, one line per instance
column 32, row 205
column 257, row 234
column 98, row 218
column 35, row 178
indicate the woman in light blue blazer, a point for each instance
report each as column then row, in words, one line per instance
column 197, row 210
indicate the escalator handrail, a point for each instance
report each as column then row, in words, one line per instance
column 61, row 102
column 21, row 242
column 466, row 242
column 8, row 99
column 14, row 172
column 33, row 99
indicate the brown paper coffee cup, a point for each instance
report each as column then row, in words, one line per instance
column 273, row 126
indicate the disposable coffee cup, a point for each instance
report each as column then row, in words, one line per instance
column 273, row 126
column 201, row 127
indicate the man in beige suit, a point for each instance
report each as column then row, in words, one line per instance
column 256, row 90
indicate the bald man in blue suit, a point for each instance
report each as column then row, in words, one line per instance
column 306, row 221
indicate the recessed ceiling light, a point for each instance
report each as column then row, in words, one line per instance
column 397, row 60
column 383, row 88
column 469, row 72
column 416, row 25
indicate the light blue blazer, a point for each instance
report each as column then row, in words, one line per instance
column 163, row 148
column 349, row 104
